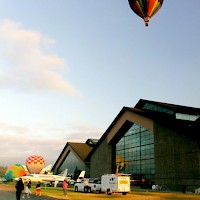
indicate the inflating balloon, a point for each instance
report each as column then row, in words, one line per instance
column 145, row 8
column 14, row 171
column 35, row 164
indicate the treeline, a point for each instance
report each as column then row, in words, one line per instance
column 2, row 171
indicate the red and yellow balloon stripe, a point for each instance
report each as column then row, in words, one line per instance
column 153, row 7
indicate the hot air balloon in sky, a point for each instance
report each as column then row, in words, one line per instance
column 145, row 8
column 35, row 164
column 14, row 171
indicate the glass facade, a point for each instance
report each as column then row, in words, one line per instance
column 71, row 163
column 135, row 153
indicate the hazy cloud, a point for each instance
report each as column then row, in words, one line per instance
column 25, row 65
column 77, row 132
column 10, row 128
column 18, row 142
column 16, row 148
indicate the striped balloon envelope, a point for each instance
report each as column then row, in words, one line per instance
column 35, row 164
column 145, row 8
column 14, row 171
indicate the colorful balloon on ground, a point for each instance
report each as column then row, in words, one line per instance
column 35, row 164
column 145, row 8
column 14, row 171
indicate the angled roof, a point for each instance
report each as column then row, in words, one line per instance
column 123, row 110
column 81, row 149
column 155, row 110
column 181, row 115
column 143, row 104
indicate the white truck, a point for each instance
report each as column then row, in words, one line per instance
column 88, row 185
column 115, row 183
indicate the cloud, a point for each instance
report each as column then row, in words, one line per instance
column 15, row 148
column 18, row 142
column 25, row 65
column 9, row 128
column 77, row 132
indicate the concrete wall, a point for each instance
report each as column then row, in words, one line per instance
column 101, row 160
column 176, row 159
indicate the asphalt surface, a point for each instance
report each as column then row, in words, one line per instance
column 10, row 195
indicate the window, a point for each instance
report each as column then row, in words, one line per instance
column 148, row 106
column 187, row 117
column 135, row 151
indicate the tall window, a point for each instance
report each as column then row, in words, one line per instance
column 135, row 152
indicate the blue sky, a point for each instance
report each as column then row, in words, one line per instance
column 68, row 67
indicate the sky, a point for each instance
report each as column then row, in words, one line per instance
column 68, row 67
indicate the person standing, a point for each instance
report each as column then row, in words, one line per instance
column 64, row 187
column 19, row 188
column 27, row 190
column 38, row 189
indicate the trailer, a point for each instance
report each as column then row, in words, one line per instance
column 112, row 183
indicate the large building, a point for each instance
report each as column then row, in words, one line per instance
column 155, row 142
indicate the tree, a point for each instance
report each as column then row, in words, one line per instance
column 2, row 171
column 76, row 173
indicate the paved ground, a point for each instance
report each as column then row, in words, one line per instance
column 9, row 195
column 6, row 193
